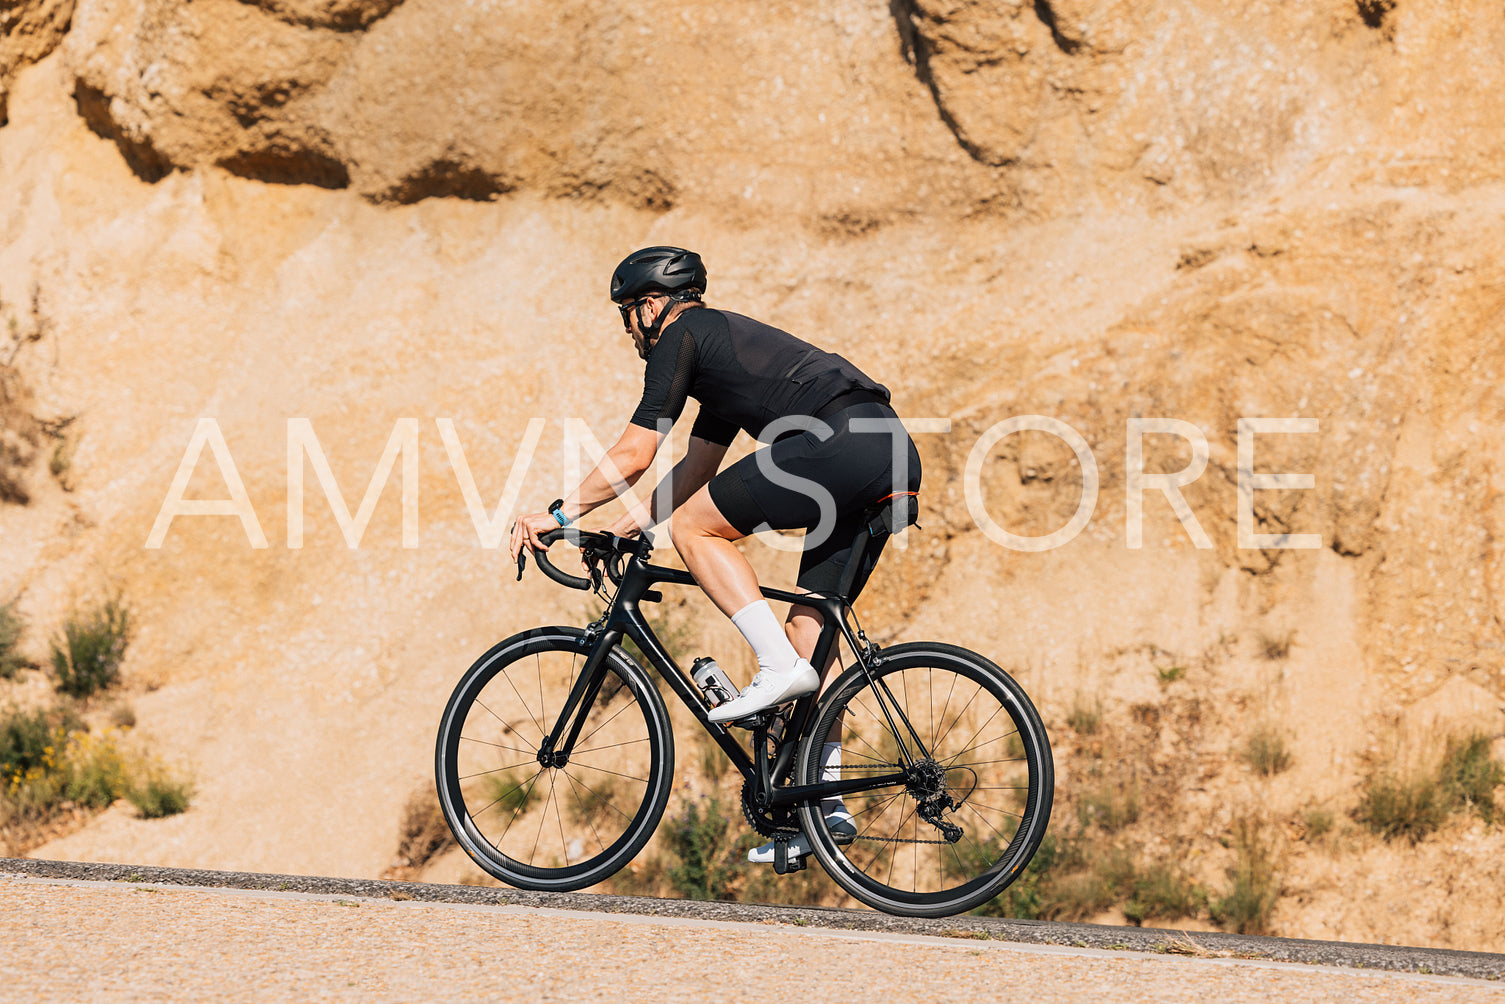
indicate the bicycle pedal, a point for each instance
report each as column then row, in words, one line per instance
column 783, row 864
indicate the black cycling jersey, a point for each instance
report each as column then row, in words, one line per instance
column 744, row 373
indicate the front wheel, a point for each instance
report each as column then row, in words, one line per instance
column 544, row 821
column 978, row 785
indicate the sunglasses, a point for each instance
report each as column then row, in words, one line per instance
column 627, row 308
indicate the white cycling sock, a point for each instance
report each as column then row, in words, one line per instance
column 830, row 770
column 766, row 636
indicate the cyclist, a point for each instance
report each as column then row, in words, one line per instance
column 832, row 446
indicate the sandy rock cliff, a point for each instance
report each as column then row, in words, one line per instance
column 1098, row 212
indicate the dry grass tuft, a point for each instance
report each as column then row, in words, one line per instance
column 1084, row 717
column 1266, row 752
column 1250, row 899
column 12, row 627
column 86, row 657
column 1395, row 802
column 1277, row 646
column 423, row 834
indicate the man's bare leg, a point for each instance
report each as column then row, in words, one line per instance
column 705, row 539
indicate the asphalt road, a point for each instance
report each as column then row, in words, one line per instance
column 1441, row 962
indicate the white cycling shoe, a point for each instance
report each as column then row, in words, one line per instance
column 768, row 690
column 839, row 822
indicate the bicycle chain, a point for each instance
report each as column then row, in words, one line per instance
column 768, row 828
column 885, row 840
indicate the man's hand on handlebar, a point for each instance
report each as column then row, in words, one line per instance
column 528, row 528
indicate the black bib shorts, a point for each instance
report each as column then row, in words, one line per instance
column 855, row 467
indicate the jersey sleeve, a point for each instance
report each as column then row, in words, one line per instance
column 667, row 380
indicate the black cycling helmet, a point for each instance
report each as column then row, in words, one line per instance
column 658, row 270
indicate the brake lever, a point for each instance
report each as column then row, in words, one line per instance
column 522, row 561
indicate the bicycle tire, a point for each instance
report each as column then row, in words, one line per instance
column 900, row 863
column 540, row 826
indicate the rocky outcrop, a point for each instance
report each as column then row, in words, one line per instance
column 340, row 15
column 1188, row 99
column 29, row 30
column 433, row 99
column 1048, row 102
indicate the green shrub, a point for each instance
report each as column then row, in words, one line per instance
column 1078, row 877
column 86, row 658
column 1414, row 805
column 592, row 804
column 1029, row 897
column 1266, row 751
column 1104, row 878
column 511, row 792
column 1469, row 775
column 1162, row 892
column 96, row 772
column 11, row 628
column 1111, row 807
column 1250, row 900
column 698, row 838
column 33, row 740
column 1085, row 718
column 50, row 762
column 47, row 757
column 158, row 793
column 1393, row 805
column 1318, row 823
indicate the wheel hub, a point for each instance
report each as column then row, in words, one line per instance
column 548, row 756
column 926, row 780
column 926, row 783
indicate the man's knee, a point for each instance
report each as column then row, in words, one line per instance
column 688, row 525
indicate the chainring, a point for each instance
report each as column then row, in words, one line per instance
column 771, row 822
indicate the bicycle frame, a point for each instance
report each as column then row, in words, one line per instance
column 624, row 619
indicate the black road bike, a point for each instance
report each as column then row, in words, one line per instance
column 555, row 755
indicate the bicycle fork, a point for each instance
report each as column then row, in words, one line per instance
column 551, row 751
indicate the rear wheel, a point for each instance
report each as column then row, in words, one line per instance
column 541, row 821
column 978, row 785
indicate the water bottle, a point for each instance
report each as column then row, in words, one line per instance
column 712, row 681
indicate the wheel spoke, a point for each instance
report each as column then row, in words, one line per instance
column 597, row 749
column 603, row 725
column 541, row 817
column 505, row 724
column 585, row 812
column 499, row 746
column 978, row 746
column 603, row 770
column 521, row 700
column 494, row 770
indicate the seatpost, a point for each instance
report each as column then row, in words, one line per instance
column 859, row 552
